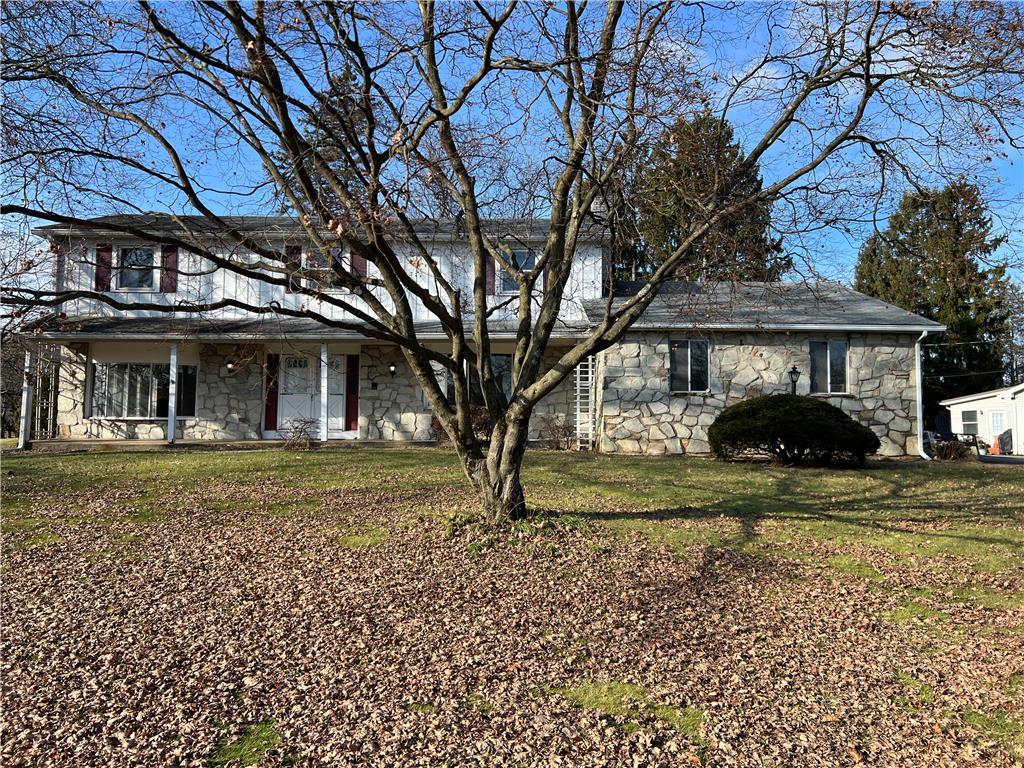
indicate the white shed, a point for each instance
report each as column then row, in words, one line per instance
column 988, row 414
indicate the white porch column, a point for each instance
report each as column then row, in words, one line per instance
column 172, row 395
column 27, row 387
column 324, row 369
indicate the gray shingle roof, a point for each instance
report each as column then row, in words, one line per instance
column 779, row 306
column 284, row 226
column 199, row 328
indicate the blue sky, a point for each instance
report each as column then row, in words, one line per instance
column 741, row 38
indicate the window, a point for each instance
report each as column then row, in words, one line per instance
column 688, row 365
column 828, row 366
column 997, row 423
column 324, row 276
column 141, row 390
column 135, row 268
column 970, row 422
column 524, row 260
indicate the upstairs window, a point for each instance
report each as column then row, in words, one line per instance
column 136, row 268
column 688, row 365
column 828, row 366
column 141, row 390
column 970, row 422
column 321, row 273
column 526, row 261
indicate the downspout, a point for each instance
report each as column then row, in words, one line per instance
column 920, row 398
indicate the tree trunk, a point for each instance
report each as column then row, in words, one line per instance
column 497, row 476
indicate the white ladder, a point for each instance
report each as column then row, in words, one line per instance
column 585, row 403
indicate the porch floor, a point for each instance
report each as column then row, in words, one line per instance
column 67, row 445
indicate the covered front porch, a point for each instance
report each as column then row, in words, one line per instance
column 172, row 381
column 182, row 391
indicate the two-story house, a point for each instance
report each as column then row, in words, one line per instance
column 235, row 374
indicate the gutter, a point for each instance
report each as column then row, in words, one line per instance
column 920, row 393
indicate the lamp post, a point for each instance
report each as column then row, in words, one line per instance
column 794, row 374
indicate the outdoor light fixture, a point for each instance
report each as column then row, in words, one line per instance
column 794, row 374
column 231, row 365
column 392, row 368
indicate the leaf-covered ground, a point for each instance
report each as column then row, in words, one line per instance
column 335, row 607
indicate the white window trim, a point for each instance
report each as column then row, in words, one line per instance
column 976, row 421
column 689, row 367
column 499, row 271
column 116, row 268
column 91, row 386
column 828, row 369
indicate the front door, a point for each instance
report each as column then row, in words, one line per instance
column 297, row 393
column 336, row 397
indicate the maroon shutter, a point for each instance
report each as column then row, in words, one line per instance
column 352, row 392
column 270, row 414
column 292, row 264
column 544, row 279
column 358, row 265
column 104, row 265
column 489, row 269
column 169, row 269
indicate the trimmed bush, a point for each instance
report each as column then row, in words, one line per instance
column 794, row 430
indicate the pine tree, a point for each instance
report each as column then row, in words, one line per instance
column 931, row 259
column 698, row 161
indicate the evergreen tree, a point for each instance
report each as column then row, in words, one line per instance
column 680, row 177
column 332, row 132
column 931, row 260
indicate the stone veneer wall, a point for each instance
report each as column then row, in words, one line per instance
column 397, row 409
column 638, row 413
column 229, row 403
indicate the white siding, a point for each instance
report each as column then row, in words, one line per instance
column 200, row 282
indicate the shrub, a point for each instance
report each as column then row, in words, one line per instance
column 793, row 430
column 556, row 431
column 950, row 450
column 480, row 418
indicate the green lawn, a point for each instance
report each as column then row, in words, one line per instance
column 646, row 604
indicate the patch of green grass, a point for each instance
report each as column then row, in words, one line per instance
column 362, row 538
column 418, row 706
column 32, row 541
column 479, row 703
column 631, row 703
column 988, row 597
column 678, row 538
column 1000, row 727
column 855, row 566
column 912, row 610
column 1015, row 684
column 249, row 748
column 685, row 720
column 921, row 690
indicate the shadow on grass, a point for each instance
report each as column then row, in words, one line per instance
column 934, row 527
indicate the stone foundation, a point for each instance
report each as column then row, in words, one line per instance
column 641, row 415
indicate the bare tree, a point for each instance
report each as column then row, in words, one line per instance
column 483, row 111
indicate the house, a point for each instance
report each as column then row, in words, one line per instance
column 231, row 374
column 990, row 414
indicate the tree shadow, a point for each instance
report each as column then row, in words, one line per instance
column 888, row 511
